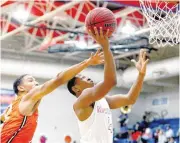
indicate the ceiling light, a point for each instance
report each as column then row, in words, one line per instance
column 20, row 14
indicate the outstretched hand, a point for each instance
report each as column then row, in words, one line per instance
column 99, row 37
column 142, row 62
column 97, row 58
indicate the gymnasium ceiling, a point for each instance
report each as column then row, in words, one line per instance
column 29, row 43
column 68, row 17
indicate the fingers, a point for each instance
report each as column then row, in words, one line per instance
column 107, row 33
column 90, row 33
column 98, row 51
column 143, row 69
column 141, row 54
column 101, row 32
column 101, row 54
column 145, row 63
column 144, row 66
column 96, row 32
column 144, row 56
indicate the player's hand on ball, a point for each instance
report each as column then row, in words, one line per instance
column 142, row 62
column 100, row 38
column 97, row 58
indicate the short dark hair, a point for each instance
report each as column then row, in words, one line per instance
column 17, row 82
column 70, row 84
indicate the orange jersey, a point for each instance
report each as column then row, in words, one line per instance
column 18, row 128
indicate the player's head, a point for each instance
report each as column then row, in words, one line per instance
column 24, row 83
column 77, row 84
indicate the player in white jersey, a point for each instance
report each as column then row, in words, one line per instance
column 92, row 108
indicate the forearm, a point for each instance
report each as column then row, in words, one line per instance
column 72, row 71
column 136, row 89
column 109, row 66
column 42, row 90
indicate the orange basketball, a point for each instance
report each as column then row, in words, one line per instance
column 67, row 139
column 101, row 17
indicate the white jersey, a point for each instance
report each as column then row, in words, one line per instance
column 98, row 127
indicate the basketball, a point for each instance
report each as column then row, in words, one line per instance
column 67, row 139
column 101, row 17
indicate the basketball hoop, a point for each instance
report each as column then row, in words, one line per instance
column 163, row 20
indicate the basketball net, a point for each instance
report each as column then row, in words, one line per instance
column 163, row 20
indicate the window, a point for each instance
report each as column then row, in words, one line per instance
column 155, row 102
column 164, row 100
column 160, row 101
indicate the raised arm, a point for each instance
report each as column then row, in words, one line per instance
column 38, row 92
column 90, row 95
column 117, row 101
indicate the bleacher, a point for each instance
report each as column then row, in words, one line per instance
column 160, row 123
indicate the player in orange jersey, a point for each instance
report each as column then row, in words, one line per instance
column 20, row 120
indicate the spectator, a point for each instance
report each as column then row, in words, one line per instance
column 156, row 135
column 169, row 132
column 178, row 133
column 123, row 118
column 147, row 135
column 136, row 126
column 144, row 124
column 171, row 140
column 115, row 135
column 161, row 137
column 136, row 136
column 124, row 131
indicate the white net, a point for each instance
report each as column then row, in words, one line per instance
column 164, row 21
